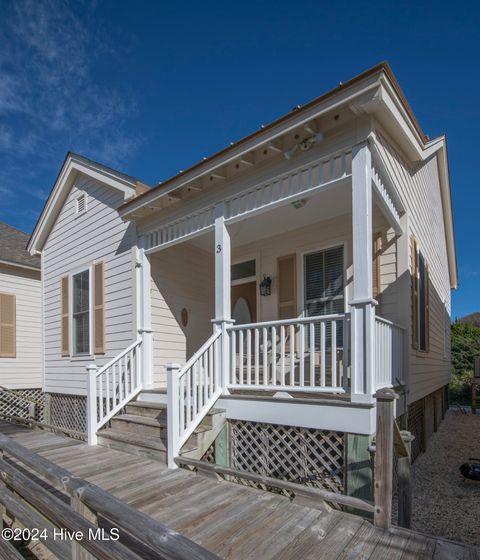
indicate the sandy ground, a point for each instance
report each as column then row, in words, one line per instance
column 444, row 504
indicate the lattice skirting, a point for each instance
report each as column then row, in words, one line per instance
column 68, row 412
column 301, row 455
column 18, row 402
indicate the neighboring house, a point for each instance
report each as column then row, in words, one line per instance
column 321, row 247
column 21, row 356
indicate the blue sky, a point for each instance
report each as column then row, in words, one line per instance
column 150, row 87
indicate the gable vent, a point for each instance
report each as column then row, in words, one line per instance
column 81, row 205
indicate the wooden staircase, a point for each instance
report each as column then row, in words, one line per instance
column 141, row 429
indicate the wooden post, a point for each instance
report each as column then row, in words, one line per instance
column 78, row 551
column 92, row 404
column 404, row 482
column 145, row 312
column 384, row 457
column 362, row 306
column 173, row 419
column 222, row 447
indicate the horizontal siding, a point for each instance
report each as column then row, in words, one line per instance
column 419, row 189
column 182, row 277
column 75, row 242
column 26, row 370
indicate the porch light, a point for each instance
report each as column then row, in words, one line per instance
column 266, row 286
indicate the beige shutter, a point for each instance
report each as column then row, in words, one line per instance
column 7, row 326
column 414, row 283
column 287, row 287
column 65, row 317
column 377, row 250
column 98, row 310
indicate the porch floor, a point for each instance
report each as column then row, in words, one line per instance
column 229, row 519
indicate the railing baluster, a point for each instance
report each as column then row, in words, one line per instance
column 257, row 357
column 311, row 327
column 188, row 376
column 322, row 354
column 101, row 413
column 233, row 352
column 181, row 402
column 249, row 357
column 194, row 389
column 210, row 368
column 301, row 354
column 282, row 355
column 292, row 355
column 107, row 386
column 274, row 355
column 265, row 356
column 346, row 342
column 240, row 356
column 334, row 353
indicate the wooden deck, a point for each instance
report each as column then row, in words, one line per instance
column 231, row 520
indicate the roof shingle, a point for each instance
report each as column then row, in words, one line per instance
column 13, row 243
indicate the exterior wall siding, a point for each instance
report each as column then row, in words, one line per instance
column 75, row 242
column 25, row 370
column 419, row 189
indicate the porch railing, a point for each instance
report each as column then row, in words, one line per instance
column 389, row 353
column 308, row 354
column 192, row 391
column 111, row 387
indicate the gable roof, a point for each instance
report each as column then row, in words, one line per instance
column 73, row 165
column 13, row 248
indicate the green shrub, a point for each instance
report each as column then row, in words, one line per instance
column 465, row 346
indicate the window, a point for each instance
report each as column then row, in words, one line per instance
column 420, row 299
column 243, row 270
column 324, row 282
column 7, row 326
column 81, row 204
column 81, row 312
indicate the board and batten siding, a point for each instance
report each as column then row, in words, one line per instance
column 419, row 188
column 75, row 243
column 182, row 278
column 25, row 371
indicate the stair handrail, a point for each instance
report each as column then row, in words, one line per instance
column 183, row 418
column 130, row 384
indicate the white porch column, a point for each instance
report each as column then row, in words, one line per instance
column 362, row 305
column 144, row 313
column 223, row 302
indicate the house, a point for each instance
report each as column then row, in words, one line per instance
column 271, row 288
column 21, row 358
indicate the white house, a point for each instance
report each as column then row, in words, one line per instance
column 285, row 279
column 21, row 358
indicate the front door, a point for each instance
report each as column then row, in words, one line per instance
column 244, row 303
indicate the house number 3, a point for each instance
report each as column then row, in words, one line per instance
column 219, row 248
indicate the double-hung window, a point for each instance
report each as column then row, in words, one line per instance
column 81, row 312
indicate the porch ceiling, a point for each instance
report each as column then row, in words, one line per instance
column 321, row 206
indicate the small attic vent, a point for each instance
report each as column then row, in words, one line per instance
column 81, row 206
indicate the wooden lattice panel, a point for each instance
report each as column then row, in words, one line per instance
column 17, row 402
column 301, row 455
column 68, row 412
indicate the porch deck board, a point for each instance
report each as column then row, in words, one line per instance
column 234, row 521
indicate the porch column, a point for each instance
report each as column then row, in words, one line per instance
column 144, row 313
column 362, row 305
column 223, row 312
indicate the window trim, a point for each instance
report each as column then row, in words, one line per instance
column 88, row 354
column 418, row 348
column 301, row 308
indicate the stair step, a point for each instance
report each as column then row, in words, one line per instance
column 147, row 427
column 147, row 409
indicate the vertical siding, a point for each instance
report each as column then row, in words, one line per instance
column 419, row 188
column 182, row 277
column 74, row 243
column 24, row 371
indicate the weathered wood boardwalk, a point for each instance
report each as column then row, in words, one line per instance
column 231, row 520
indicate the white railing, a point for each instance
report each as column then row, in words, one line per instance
column 111, row 387
column 389, row 353
column 308, row 354
column 192, row 390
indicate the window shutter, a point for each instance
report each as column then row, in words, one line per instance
column 65, row 296
column 287, row 287
column 377, row 251
column 414, row 284
column 98, row 310
column 7, row 326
